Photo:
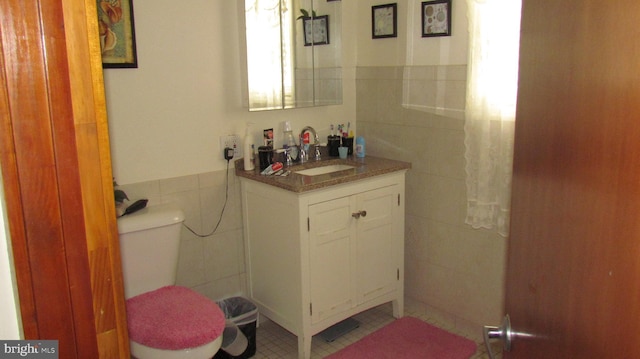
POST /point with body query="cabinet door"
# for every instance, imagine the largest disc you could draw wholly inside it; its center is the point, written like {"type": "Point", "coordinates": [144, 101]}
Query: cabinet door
{"type": "Point", "coordinates": [330, 255]}
{"type": "Point", "coordinates": [377, 243]}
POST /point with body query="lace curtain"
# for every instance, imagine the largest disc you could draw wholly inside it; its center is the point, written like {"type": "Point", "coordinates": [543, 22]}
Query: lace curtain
{"type": "Point", "coordinates": [492, 84]}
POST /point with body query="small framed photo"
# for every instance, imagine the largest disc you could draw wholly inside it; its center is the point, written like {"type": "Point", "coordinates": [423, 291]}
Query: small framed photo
{"type": "Point", "coordinates": [117, 34]}
{"type": "Point", "coordinates": [436, 18]}
{"type": "Point", "coordinates": [316, 30]}
{"type": "Point", "coordinates": [384, 21]}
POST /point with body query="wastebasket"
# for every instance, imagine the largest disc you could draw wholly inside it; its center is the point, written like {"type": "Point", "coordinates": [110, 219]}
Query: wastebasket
{"type": "Point", "coordinates": [242, 314]}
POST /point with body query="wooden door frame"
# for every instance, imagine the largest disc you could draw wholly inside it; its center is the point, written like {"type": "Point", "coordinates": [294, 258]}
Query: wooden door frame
{"type": "Point", "coordinates": [56, 166]}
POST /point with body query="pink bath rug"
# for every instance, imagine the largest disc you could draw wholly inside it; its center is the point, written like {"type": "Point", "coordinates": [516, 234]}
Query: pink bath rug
{"type": "Point", "coordinates": [408, 338]}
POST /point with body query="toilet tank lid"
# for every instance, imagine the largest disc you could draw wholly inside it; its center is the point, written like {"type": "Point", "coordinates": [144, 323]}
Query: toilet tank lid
{"type": "Point", "coordinates": [150, 217]}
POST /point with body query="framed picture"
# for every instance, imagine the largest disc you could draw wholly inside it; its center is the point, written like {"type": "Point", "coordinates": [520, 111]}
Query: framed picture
{"type": "Point", "coordinates": [384, 21]}
{"type": "Point", "coordinates": [117, 33]}
{"type": "Point", "coordinates": [316, 30]}
{"type": "Point", "coordinates": [436, 18]}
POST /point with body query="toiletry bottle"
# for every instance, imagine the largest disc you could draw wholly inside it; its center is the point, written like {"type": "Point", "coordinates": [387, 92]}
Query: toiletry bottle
{"type": "Point", "coordinates": [360, 146]}
{"type": "Point", "coordinates": [253, 155]}
{"type": "Point", "coordinates": [248, 150]}
{"type": "Point", "coordinates": [289, 142]}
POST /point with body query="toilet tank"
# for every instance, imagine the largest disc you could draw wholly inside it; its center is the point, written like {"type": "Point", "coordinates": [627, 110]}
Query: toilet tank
{"type": "Point", "coordinates": [149, 246]}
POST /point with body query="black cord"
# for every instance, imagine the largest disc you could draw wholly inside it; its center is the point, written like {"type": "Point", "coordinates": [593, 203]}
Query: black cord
{"type": "Point", "coordinates": [226, 198]}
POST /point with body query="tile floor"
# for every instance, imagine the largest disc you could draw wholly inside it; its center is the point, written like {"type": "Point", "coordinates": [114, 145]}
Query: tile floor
{"type": "Point", "coordinates": [273, 341]}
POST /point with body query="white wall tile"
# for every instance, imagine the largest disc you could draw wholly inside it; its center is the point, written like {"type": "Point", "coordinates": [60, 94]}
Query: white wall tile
{"type": "Point", "coordinates": [456, 271]}
{"type": "Point", "coordinates": [213, 264]}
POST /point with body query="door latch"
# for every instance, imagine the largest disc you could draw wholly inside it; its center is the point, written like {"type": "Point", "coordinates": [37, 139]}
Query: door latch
{"type": "Point", "coordinates": [502, 332]}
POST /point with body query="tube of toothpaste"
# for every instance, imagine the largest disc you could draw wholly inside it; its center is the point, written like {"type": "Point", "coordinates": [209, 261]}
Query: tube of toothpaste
{"type": "Point", "coordinates": [273, 168]}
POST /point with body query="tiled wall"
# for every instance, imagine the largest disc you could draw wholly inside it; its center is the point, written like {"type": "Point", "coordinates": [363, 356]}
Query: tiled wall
{"type": "Point", "coordinates": [416, 114]}
{"type": "Point", "coordinates": [212, 265]}
{"type": "Point", "coordinates": [322, 86]}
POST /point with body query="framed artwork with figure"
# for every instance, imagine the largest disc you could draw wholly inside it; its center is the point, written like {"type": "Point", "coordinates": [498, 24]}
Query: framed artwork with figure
{"type": "Point", "coordinates": [117, 33]}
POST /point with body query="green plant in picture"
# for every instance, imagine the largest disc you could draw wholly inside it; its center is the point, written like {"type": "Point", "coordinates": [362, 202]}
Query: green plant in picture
{"type": "Point", "coordinates": [315, 29]}
{"type": "Point", "coordinates": [305, 14]}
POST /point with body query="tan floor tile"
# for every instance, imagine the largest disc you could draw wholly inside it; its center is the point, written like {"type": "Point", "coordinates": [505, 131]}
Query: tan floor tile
{"type": "Point", "coordinates": [274, 342]}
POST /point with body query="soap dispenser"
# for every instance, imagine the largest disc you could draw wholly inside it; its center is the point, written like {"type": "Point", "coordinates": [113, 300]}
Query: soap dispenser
{"type": "Point", "coordinates": [289, 142]}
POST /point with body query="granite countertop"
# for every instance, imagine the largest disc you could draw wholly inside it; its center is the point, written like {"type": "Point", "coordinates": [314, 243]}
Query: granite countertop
{"type": "Point", "coordinates": [365, 167]}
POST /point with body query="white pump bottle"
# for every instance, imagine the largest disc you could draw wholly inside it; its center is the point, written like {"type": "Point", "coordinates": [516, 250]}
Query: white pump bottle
{"type": "Point", "coordinates": [248, 150]}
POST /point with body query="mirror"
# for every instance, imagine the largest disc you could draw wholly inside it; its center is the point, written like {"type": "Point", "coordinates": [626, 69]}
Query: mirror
{"type": "Point", "coordinates": [293, 53]}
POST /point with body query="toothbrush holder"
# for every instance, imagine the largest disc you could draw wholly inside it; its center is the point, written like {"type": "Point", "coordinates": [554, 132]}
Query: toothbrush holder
{"type": "Point", "coordinates": [348, 143]}
{"type": "Point", "coordinates": [333, 142]}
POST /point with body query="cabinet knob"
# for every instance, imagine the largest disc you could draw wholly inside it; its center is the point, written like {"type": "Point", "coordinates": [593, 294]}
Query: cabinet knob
{"type": "Point", "coordinates": [357, 215]}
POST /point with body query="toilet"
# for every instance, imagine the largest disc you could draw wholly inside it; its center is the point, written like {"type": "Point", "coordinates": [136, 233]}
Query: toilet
{"type": "Point", "coordinates": [165, 321]}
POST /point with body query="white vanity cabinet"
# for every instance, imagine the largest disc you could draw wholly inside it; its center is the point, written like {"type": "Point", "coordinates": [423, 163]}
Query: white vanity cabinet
{"type": "Point", "coordinates": [318, 257]}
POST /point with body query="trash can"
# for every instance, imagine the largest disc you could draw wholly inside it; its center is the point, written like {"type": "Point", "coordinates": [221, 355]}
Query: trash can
{"type": "Point", "coordinates": [242, 317]}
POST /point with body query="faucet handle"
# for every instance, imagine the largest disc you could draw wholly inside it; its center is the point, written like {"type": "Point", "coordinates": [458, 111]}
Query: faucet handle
{"type": "Point", "coordinates": [318, 155]}
{"type": "Point", "coordinates": [287, 156]}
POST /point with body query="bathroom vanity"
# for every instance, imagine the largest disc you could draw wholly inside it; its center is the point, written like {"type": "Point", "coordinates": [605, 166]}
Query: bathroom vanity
{"type": "Point", "coordinates": [325, 242]}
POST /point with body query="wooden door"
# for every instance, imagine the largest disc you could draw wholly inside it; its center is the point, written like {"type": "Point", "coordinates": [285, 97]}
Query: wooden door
{"type": "Point", "coordinates": [573, 277]}
{"type": "Point", "coordinates": [54, 155]}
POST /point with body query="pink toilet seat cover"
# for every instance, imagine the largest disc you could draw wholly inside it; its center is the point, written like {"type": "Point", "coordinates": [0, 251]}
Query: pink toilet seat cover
{"type": "Point", "coordinates": [174, 318]}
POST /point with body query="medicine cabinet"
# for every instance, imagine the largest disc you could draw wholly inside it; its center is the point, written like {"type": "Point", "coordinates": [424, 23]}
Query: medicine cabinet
{"type": "Point", "coordinates": [293, 53]}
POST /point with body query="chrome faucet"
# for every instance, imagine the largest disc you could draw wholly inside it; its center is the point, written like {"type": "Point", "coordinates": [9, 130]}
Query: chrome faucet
{"type": "Point", "coordinates": [304, 156]}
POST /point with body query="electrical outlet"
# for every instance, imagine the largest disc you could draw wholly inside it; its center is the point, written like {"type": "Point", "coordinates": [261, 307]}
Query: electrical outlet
{"type": "Point", "coordinates": [231, 141]}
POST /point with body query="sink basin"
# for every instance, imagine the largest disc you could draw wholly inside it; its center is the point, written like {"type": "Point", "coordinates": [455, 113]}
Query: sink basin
{"type": "Point", "coordinates": [324, 170]}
